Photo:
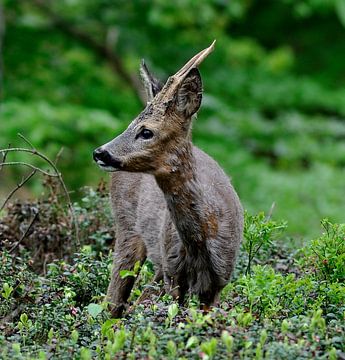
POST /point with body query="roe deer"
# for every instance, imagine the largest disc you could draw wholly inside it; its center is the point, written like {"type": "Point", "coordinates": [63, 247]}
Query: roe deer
{"type": "Point", "coordinates": [172, 203]}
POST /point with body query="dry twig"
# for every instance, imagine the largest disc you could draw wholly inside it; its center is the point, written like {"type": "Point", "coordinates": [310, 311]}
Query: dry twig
{"type": "Point", "coordinates": [24, 180]}
{"type": "Point", "coordinates": [56, 173]}
{"type": "Point", "coordinates": [35, 168]}
{"type": "Point", "coordinates": [57, 157]}
{"type": "Point", "coordinates": [4, 155]}
{"type": "Point", "coordinates": [25, 233]}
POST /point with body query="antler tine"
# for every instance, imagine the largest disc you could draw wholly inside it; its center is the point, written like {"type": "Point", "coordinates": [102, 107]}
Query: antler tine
{"type": "Point", "coordinates": [174, 81]}
{"type": "Point", "coordinates": [195, 60]}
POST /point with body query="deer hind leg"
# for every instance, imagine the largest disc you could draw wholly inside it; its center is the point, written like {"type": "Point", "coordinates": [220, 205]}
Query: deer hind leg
{"type": "Point", "coordinates": [127, 252]}
{"type": "Point", "coordinates": [175, 281]}
{"type": "Point", "coordinates": [207, 302]}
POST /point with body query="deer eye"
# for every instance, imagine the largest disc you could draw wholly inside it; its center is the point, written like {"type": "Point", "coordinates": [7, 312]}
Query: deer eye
{"type": "Point", "coordinates": [145, 134]}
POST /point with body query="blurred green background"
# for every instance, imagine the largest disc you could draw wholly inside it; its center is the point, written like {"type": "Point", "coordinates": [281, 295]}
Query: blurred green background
{"type": "Point", "coordinates": [273, 112]}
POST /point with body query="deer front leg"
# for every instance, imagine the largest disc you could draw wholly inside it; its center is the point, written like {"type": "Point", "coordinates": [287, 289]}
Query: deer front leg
{"type": "Point", "coordinates": [174, 275]}
{"type": "Point", "coordinates": [127, 252]}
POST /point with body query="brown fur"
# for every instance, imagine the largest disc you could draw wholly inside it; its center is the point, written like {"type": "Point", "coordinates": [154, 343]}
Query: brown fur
{"type": "Point", "coordinates": [172, 203]}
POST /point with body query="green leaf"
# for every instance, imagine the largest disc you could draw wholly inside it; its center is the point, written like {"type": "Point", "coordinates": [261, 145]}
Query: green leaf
{"type": "Point", "coordinates": [137, 266]}
{"type": "Point", "coordinates": [94, 309]}
{"type": "Point", "coordinates": [171, 348]}
{"type": "Point", "coordinates": [192, 342]}
{"type": "Point", "coordinates": [107, 325]}
{"type": "Point", "coordinates": [228, 341]}
{"type": "Point", "coordinates": [42, 355]}
{"type": "Point", "coordinates": [209, 347]}
{"type": "Point", "coordinates": [24, 318]}
{"type": "Point", "coordinates": [134, 272]}
{"type": "Point", "coordinates": [120, 339]}
{"type": "Point", "coordinates": [85, 354]}
{"type": "Point", "coordinates": [127, 273]}
{"type": "Point", "coordinates": [74, 336]}
{"type": "Point", "coordinates": [7, 291]}
{"type": "Point", "coordinates": [172, 311]}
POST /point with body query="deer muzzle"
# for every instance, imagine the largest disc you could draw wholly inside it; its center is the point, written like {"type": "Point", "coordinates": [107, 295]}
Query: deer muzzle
{"type": "Point", "coordinates": [105, 160]}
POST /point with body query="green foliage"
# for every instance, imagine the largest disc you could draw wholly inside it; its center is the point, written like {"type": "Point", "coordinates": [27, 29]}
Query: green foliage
{"type": "Point", "coordinates": [270, 294]}
{"type": "Point", "coordinates": [272, 116]}
{"type": "Point", "coordinates": [318, 323]}
{"type": "Point", "coordinates": [192, 342]}
{"type": "Point", "coordinates": [228, 341]}
{"type": "Point", "coordinates": [326, 254]}
{"type": "Point", "coordinates": [273, 110]}
{"type": "Point", "coordinates": [7, 291]}
{"type": "Point", "coordinates": [276, 312]}
{"type": "Point", "coordinates": [209, 348]}
{"type": "Point", "coordinates": [259, 231]}
{"type": "Point", "coordinates": [171, 349]}
{"type": "Point", "coordinates": [172, 312]}
{"type": "Point", "coordinates": [244, 319]}
{"type": "Point", "coordinates": [134, 272]}
{"type": "Point", "coordinates": [94, 309]}
{"type": "Point", "coordinates": [52, 127]}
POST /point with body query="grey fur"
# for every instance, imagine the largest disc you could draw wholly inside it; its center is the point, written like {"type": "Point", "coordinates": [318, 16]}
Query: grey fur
{"type": "Point", "coordinates": [172, 203]}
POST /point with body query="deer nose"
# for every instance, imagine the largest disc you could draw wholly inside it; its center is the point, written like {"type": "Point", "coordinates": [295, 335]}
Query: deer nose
{"type": "Point", "coordinates": [104, 158]}
{"type": "Point", "coordinates": [102, 155]}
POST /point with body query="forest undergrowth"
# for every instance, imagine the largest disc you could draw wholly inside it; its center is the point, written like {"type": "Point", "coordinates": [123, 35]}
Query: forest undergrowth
{"type": "Point", "coordinates": [282, 303]}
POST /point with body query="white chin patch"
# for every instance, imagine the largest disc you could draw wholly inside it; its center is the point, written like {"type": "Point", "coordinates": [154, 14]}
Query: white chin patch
{"type": "Point", "coordinates": [105, 167]}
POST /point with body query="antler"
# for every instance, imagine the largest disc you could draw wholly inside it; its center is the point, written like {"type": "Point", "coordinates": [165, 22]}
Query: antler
{"type": "Point", "coordinates": [195, 61]}
{"type": "Point", "coordinates": [175, 81]}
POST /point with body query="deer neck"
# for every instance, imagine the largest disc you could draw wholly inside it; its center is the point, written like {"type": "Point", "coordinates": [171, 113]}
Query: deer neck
{"type": "Point", "coordinates": [191, 214]}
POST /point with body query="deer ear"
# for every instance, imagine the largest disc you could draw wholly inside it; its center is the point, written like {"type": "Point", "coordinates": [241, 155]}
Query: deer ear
{"type": "Point", "coordinates": [189, 94]}
{"type": "Point", "coordinates": [151, 84]}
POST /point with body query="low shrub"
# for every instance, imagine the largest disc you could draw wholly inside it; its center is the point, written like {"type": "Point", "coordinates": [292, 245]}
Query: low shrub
{"type": "Point", "coordinates": [325, 256]}
{"type": "Point", "coordinates": [278, 310]}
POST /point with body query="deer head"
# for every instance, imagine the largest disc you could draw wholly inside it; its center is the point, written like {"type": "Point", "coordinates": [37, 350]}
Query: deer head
{"type": "Point", "coordinates": [163, 127]}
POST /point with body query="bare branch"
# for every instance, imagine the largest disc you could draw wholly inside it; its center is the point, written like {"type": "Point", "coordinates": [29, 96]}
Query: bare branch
{"type": "Point", "coordinates": [25, 233]}
{"type": "Point", "coordinates": [269, 215]}
{"type": "Point", "coordinates": [4, 155]}
{"type": "Point", "coordinates": [14, 163]}
{"type": "Point", "coordinates": [24, 180]}
{"type": "Point", "coordinates": [34, 152]}
{"type": "Point", "coordinates": [26, 140]}
{"type": "Point", "coordinates": [57, 157]}
{"type": "Point", "coordinates": [55, 174]}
